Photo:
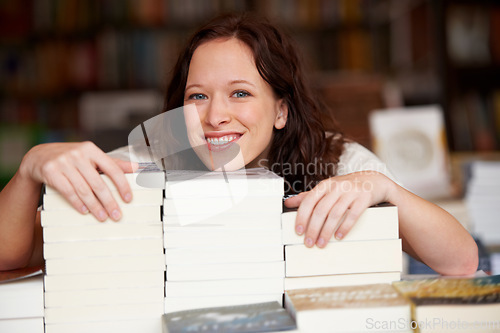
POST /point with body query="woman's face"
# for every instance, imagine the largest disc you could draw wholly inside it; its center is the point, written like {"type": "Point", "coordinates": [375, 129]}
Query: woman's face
{"type": "Point", "coordinates": [236, 107]}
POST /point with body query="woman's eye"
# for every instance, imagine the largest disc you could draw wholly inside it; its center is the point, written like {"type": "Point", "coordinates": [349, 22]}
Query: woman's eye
{"type": "Point", "coordinates": [240, 93]}
{"type": "Point", "coordinates": [197, 96]}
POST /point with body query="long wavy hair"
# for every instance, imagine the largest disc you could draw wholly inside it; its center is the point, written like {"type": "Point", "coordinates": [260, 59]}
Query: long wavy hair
{"type": "Point", "coordinates": [301, 152]}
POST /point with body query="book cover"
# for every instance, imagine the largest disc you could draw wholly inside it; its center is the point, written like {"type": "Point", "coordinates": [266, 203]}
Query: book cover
{"type": "Point", "coordinates": [261, 317]}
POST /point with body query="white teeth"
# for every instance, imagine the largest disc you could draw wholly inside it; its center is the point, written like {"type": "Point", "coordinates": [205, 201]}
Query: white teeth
{"type": "Point", "coordinates": [222, 140]}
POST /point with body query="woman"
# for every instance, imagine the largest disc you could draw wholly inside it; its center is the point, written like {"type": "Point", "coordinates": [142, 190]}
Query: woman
{"type": "Point", "coordinates": [246, 82]}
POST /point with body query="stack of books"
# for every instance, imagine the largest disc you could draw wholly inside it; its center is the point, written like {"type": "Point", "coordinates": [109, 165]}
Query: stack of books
{"type": "Point", "coordinates": [370, 253]}
{"type": "Point", "coordinates": [482, 198]}
{"type": "Point", "coordinates": [105, 276]}
{"type": "Point", "coordinates": [222, 238]}
{"type": "Point", "coordinates": [21, 300]}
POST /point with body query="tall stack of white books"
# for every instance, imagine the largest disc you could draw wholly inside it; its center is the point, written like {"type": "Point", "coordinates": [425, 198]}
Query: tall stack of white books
{"type": "Point", "coordinates": [21, 301]}
{"type": "Point", "coordinates": [105, 276]}
{"type": "Point", "coordinates": [370, 253]}
{"type": "Point", "coordinates": [222, 238]}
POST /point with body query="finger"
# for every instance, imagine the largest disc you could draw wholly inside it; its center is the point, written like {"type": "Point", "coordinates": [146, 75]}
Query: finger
{"type": "Point", "coordinates": [306, 207]}
{"type": "Point", "coordinates": [115, 172]}
{"type": "Point", "coordinates": [64, 187]}
{"type": "Point", "coordinates": [85, 190]}
{"type": "Point", "coordinates": [126, 166]}
{"type": "Point", "coordinates": [294, 202]}
{"type": "Point", "coordinates": [335, 217]}
{"type": "Point", "coordinates": [319, 217]}
{"type": "Point", "coordinates": [101, 192]}
{"type": "Point", "coordinates": [352, 216]}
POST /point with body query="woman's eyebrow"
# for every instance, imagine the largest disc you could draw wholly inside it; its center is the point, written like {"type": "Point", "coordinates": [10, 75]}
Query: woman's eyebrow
{"type": "Point", "coordinates": [194, 85]}
{"type": "Point", "coordinates": [242, 81]}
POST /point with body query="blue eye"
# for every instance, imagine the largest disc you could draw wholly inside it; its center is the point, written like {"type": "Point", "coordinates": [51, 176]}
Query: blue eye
{"type": "Point", "coordinates": [197, 96]}
{"type": "Point", "coordinates": [240, 94]}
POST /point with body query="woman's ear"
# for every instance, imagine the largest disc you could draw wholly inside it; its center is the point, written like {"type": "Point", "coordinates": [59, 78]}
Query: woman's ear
{"type": "Point", "coordinates": [282, 115]}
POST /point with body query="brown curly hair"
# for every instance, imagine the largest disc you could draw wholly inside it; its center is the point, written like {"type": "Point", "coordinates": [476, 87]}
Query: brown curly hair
{"type": "Point", "coordinates": [303, 141]}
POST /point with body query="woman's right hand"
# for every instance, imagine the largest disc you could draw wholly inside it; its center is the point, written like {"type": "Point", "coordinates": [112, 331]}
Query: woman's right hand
{"type": "Point", "coordinates": [73, 170]}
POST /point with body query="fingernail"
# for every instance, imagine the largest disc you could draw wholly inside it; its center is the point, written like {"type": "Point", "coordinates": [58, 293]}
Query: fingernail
{"type": "Point", "coordinates": [102, 215]}
{"type": "Point", "coordinates": [128, 197]}
{"type": "Point", "coordinates": [309, 242]}
{"type": "Point", "coordinates": [320, 242]}
{"type": "Point", "coordinates": [299, 229]}
{"type": "Point", "coordinates": [339, 236]}
{"type": "Point", "coordinates": [116, 215]}
{"type": "Point", "coordinates": [84, 209]}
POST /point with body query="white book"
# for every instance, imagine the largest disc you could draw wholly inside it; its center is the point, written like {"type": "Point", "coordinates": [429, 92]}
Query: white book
{"type": "Point", "coordinates": [248, 270]}
{"type": "Point", "coordinates": [75, 298]}
{"type": "Point", "coordinates": [240, 183]}
{"type": "Point", "coordinates": [103, 231]}
{"type": "Point", "coordinates": [224, 254]}
{"type": "Point", "coordinates": [303, 282]}
{"type": "Point", "coordinates": [105, 264]}
{"type": "Point", "coordinates": [119, 280]}
{"type": "Point", "coordinates": [223, 287]}
{"type": "Point", "coordinates": [374, 224]}
{"type": "Point", "coordinates": [136, 180]}
{"type": "Point", "coordinates": [256, 220]}
{"type": "Point", "coordinates": [174, 304]}
{"type": "Point", "coordinates": [363, 308]}
{"type": "Point", "coordinates": [153, 197]}
{"type": "Point", "coordinates": [22, 298]}
{"type": "Point", "coordinates": [151, 325]}
{"type": "Point", "coordinates": [344, 258]}
{"type": "Point", "coordinates": [104, 313]}
{"type": "Point", "coordinates": [22, 325]}
{"type": "Point", "coordinates": [217, 238]}
{"type": "Point", "coordinates": [211, 206]}
{"type": "Point", "coordinates": [130, 215]}
{"type": "Point", "coordinates": [103, 248]}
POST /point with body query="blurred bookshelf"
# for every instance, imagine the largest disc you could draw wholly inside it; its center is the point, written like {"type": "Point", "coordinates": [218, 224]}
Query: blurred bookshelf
{"type": "Point", "coordinates": [54, 52]}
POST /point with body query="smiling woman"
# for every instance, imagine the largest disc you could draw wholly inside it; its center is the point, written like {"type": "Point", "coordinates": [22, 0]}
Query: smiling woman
{"type": "Point", "coordinates": [241, 84]}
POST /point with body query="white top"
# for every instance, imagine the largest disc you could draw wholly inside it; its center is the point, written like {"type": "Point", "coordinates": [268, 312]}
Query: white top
{"type": "Point", "coordinates": [354, 158]}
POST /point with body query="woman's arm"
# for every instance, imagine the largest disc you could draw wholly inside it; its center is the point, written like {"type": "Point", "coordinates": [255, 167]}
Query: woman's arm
{"type": "Point", "coordinates": [428, 232]}
{"type": "Point", "coordinates": [70, 168]}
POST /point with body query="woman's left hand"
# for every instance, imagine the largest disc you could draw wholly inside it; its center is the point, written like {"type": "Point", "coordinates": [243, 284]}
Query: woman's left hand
{"type": "Point", "coordinates": [336, 203]}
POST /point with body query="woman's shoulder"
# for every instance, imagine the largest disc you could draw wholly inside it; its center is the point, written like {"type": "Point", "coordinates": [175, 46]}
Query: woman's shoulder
{"type": "Point", "coordinates": [356, 157]}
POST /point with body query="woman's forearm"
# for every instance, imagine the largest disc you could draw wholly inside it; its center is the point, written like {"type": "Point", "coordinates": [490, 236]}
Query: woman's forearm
{"type": "Point", "coordinates": [433, 235]}
{"type": "Point", "coordinates": [18, 211]}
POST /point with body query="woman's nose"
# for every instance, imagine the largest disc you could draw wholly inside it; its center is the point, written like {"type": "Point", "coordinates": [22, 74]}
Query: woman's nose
{"type": "Point", "coordinates": [217, 113]}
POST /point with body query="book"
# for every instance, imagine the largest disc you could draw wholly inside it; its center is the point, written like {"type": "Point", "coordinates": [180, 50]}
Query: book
{"type": "Point", "coordinates": [150, 197]}
{"type": "Point", "coordinates": [224, 287]}
{"type": "Point", "coordinates": [250, 220]}
{"type": "Point", "coordinates": [118, 247]}
{"type": "Point", "coordinates": [148, 325]}
{"type": "Point", "coordinates": [207, 238]}
{"type": "Point", "coordinates": [344, 258]}
{"type": "Point", "coordinates": [101, 232]}
{"type": "Point", "coordinates": [260, 317]}
{"type": "Point", "coordinates": [376, 223]}
{"type": "Point", "coordinates": [174, 304]}
{"type": "Point", "coordinates": [113, 280]}
{"type": "Point", "coordinates": [235, 184]}
{"type": "Point", "coordinates": [224, 254]}
{"type": "Point", "coordinates": [90, 297]}
{"type": "Point", "coordinates": [236, 270]}
{"type": "Point", "coordinates": [449, 304]}
{"type": "Point", "coordinates": [210, 206]}
{"type": "Point", "coordinates": [130, 215]}
{"type": "Point", "coordinates": [363, 308]}
{"type": "Point", "coordinates": [105, 264]}
{"type": "Point", "coordinates": [335, 280]}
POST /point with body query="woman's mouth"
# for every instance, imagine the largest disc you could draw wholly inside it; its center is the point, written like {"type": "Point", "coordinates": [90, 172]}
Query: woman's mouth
{"type": "Point", "coordinates": [219, 143]}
